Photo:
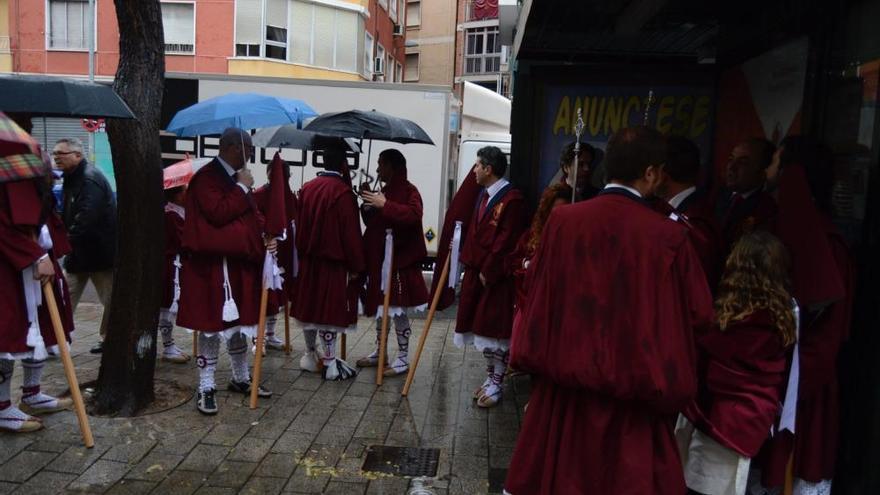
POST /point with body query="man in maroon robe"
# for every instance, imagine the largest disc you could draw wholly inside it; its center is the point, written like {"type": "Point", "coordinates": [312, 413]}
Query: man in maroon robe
{"type": "Point", "coordinates": [174, 215]}
{"type": "Point", "coordinates": [587, 158]}
{"type": "Point", "coordinates": [222, 265]}
{"type": "Point", "coordinates": [397, 207]}
{"type": "Point", "coordinates": [679, 198]}
{"type": "Point", "coordinates": [31, 241]}
{"type": "Point", "coordinates": [744, 205]}
{"type": "Point", "coordinates": [278, 298]}
{"type": "Point", "coordinates": [331, 260]}
{"type": "Point", "coordinates": [616, 294]}
{"type": "Point", "coordinates": [488, 291]}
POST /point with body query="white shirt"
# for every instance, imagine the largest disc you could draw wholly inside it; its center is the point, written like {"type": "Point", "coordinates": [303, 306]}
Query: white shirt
{"type": "Point", "coordinates": [231, 171]}
{"type": "Point", "coordinates": [681, 196]}
{"type": "Point", "coordinates": [621, 186]}
{"type": "Point", "coordinates": [494, 188]}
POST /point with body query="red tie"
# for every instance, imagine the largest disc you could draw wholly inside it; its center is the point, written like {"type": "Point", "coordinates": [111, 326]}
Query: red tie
{"type": "Point", "coordinates": [483, 203]}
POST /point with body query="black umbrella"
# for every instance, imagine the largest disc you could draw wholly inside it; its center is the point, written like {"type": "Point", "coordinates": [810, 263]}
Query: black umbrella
{"type": "Point", "coordinates": [288, 136]}
{"type": "Point", "coordinates": [60, 97]}
{"type": "Point", "coordinates": [369, 125]}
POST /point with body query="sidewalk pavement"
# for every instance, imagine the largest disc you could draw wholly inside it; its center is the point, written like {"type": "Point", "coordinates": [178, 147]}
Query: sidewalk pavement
{"type": "Point", "coordinates": [310, 437]}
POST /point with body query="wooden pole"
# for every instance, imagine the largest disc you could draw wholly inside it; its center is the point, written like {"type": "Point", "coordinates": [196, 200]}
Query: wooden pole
{"type": "Point", "coordinates": [287, 328]}
{"type": "Point", "coordinates": [788, 487]}
{"type": "Point", "coordinates": [383, 336]}
{"type": "Point", "coordinates": [444, 275]}
{"type": "Point", "coordinates": [78, 404]}
{"type": "Point", "coordinates": [261, 339]}
{"type": "Point", "coordinates": [344, 345]}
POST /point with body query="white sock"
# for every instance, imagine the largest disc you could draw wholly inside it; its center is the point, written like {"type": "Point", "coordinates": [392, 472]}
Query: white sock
{"type": "Point", "coordinates": [490, 366]}
{"type": "Point", "coordinates": [271, 321]}
{"type": "Point", "coordinates": [209, 350]}
{"type": "Point", "coordinates": [11, 417]}
{"type": "Point", "coordinates": [237, 349]}
{"type": "Point", "coordinates": [501, 358]}
{"type": "Point", "coordinates": [328, 341]}
{"type": "Point", "coordinates": [7, 367]}
{"type": "Point", "coordinates": [166, 326]}
{"type": "Point", "coordinates": [33, 373]}
{"type": "Point", "coordinates": [402, 340]}
{"type": "Point", "coordinates": [310, 335]}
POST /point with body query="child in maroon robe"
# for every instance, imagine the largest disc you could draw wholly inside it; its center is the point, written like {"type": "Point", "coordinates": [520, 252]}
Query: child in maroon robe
{"type": "Point", "coordinates": [174, 215]}
{"type": "Point", "coordinates": [616, 293]}
{"type": "Point", "coordinates": [399, 208]}
{"type": "Point", "coordinates": [485, 311]}
{"type": "Point", "coordinates": [32, 239]}
{"type": "Point", "coordinates": [742, 369]}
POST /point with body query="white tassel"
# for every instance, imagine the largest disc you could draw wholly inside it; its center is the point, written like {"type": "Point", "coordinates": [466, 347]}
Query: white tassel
{"type": "Point", "coordinates": [454, 267]}
{"type": "Point", "coordinates": [272, 273]}
{"type": "Point", "coordinates": [33, 298]}
{"type": "Point", "coordinates": [230, 310]}
{"type": "Point", "coordinates": [386, 261]}
{"type": "Point", "coordinates": [789, 407]}
{"type": "Point", "coordinates": [177, 266]}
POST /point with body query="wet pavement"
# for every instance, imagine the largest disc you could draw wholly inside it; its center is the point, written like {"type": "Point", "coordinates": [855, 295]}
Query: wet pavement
{"type": "Point", "coordinates": [312, 436]}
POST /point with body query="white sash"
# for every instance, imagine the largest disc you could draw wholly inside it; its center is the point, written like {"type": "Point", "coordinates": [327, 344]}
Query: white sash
{"type": "Point", "coordinates": [454, 267]}
{"type": "Point", "coordinates": [386, 261]}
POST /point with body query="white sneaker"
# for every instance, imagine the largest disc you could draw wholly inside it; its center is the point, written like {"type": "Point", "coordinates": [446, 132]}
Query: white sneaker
{"type": "Point", "coordinates": [14, 420]}
{"type": "Point", "coordinates": [173, 354]}
{"type": "Point", "coordinates": [370, 361]}
{"type": "Point", "coordinates": [338, 370]}
{"type": "Point", "coordinates": [400, 366]}
{"type": "Point", "coordinates": [273, 342]}
{"type": "Point", "coordinates": [41, 403]}
{"type": "Point", "coordinates": [309, 362]}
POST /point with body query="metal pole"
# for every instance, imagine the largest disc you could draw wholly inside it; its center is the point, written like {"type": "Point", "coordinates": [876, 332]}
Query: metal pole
{"type": "Point", "coordinates": [578, 130]}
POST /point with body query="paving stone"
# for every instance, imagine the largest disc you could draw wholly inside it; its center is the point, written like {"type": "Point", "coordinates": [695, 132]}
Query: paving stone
{"type": "Point", "coordinates": [13, 444]}
{"type": "Point", "coordinates": [372, 429]}
{"type": "Point", "coordinates": [215, 490]}
{"type": "Point", "coordinates": [181, 483]}
{"type": "Point", "coordinates": [225, 434]}
{"type": "Point", "coordinates": [132, 487]}
{"type": "Point", "coordinates": [353, 402]}
{"type": "Point", "coordinates": [100, 476]}
{"type": "Point", "coordinates": [345, 417]}
{"type": "Point", "coordinates": [388, 486]}
{"type": "Point", "coordinates": [204, 458]}
{"type": "Point", "coordinates": [181, 444]}
{"type": "Point", "coordinates": [231, 474]}
{"type": "Point", "coordinates": [130, 452]}
{"type": "Point", "coordinates": [308, 382]}
{"type": "Point", "coordinates": [358, 389]}
{"type": "Point", "coordinates": [468, 487]}
{"type": "Point", "coordinates": [155, 466]}
{"type": "Point", "coordinates": [277, 466]}
{"type": "Point", "coordinates": [308, 423]}
{"type": "Point", "coordinates": [47, 445]}
{"type": "Point", "coordinates": [471, 446]}
{"type": "Point", "coordinates": [251, 449]}
{"type": "Point", "coordinates": [470, 467]}
{"type": "Point", "coordinates": [499, 457]}
{"type": "Point", "coordinates": [263, 486]}
{"type": "Point", "coordinates": [303, 482]}
{"type": "Point", "coordinates": [292, 442]}
{"type": "Point", "coordinates": [24, 465]}
{"type": "Point", "coordinates": [76, 459]}
{"type": "Point", "coordinates": [324, 455]}
{"type": "Point", "coordinates": [7, 487]}
{"type": "Point", "coordinates": [269, 428]}
{"type": "Point", "coordinates": [335, 435]}
{"type": "Point", "coordinates": [348, 470]}
{"type": "Point", "coordinates": [46, 482]}
{"type": "Point", "coordinates": [339, 488]}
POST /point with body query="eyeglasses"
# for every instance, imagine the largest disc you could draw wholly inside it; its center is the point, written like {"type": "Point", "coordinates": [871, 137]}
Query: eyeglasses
{"type": "Point", "coordinates": [58, 153]}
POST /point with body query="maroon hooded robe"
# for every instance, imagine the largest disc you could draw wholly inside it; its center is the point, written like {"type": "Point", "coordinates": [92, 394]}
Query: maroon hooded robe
{"type": "Point", "coordinates": [487, 311]}
{"type": "Point", "coordinates": [173, 236]}
{"type": "Point", "coordinates": [616, 294]}
{"type": "Point", "coordinates": [222, 220]}
{"type": "Point", "coordinates": [330, 247]}
{"type": "Point", "coordinates": [277, 298]}
{"type": "Point", "coordinates": [403, 214]}
{"type": "Point", "coordinates": [20, 208]}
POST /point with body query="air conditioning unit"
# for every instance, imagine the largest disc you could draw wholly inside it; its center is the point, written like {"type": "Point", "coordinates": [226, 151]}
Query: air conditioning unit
{"type": "Point", "coordinates": [398, 30]}
{"type": "Point", "coordinates": [379, 66]}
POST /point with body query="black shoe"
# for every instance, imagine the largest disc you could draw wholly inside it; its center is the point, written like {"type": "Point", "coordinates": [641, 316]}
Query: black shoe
{"type": "Point", "coordinates": [245, 388]}
{"type": "Point", "coordinates": [98, 348]}
{"type": "Point", "coordinates": [207, 403]}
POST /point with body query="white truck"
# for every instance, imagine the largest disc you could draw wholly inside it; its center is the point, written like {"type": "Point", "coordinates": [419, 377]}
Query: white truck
{"type": "Point", "coordinates": [433, 169]}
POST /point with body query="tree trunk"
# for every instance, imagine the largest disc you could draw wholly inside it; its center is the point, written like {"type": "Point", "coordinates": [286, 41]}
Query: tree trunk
{"type": "Point", "coordinates": [125, 381]}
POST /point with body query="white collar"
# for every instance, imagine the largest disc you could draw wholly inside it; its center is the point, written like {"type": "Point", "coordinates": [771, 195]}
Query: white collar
{"type": "Point", "coordinates": [169, 206]}
{"type": "Point", "coordinates": [229, 170]}
{"type": "Point", "coordinates": [676, 200]}
{"type": "Point", "coordinates": [332, 172]}
{"type": "Point", "coordinates": [492, 190]}
{"type": "Point", "coordinates": [621, 186]}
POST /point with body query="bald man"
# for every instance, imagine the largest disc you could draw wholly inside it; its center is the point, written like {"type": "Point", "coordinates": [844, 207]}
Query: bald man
{"type": "Point", "coordinates": [220, 280]}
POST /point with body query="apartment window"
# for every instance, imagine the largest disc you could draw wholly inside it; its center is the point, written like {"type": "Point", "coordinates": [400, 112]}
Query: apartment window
{"type": "Point", "coordinates": [393, 10]}
{"type": "Point", "coordinates": [398, 72]}
{"type": "Point", "coordinates": [276, 29]}
{"type": "Point", "coordinates": [412, 67]}
{"type": "Point", "coordinates": [324, 36]}
{"type": "Point", "coordinates": [413, 13]}
{"type": "Point", "coordinates": [68, 24]}
{"type": "Point", "coordinates": [248, 33]}
{"type": "Point", "coordinates": [389, 68]}
{"type": "Point", "coordinates": [482, 50]}
{"type": "Point", "coordinates": [380, 62]}
{"type": "Point", "coordinates": [178, 23]}
{"type": "Point", "coordinates": [368, 54]}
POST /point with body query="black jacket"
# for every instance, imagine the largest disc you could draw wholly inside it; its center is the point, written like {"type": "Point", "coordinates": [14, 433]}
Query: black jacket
{"type": "Point", "coordinates": [90, 218]}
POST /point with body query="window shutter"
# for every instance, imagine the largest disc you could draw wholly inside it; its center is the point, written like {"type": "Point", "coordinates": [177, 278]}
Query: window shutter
{"type": "Point", "coordinates": [177, 21]}
{"type": "Point", "coordinates": [248, 21]}
{"type": "Point", "coordinates": [346, 41]}
{"type": "Point", "coordinates": [300, 33]}
{"type": "Point", "coordinates": [276, 13]}
{"type": "Point", "coordinates": [325, 32]}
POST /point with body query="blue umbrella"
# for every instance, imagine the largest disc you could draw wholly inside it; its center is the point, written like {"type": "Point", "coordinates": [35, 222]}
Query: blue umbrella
{"type": "Point", "coordinates": [242, 110]}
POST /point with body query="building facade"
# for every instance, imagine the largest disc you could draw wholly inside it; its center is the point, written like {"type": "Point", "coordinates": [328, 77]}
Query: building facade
{"type": "Point", "coordinates": [351, 40]}
{"type": "Point", "coordinates": [430, 39]}
{"type": "Point", "coordinates": [479, 55]}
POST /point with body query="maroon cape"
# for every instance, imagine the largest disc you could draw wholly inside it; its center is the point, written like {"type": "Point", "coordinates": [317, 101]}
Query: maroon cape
{"type": "Point", "coordinates": [516, 266]}
{"type": "Point", "coordinates": [330, 247]}
{"type": "Point", "coordinates": [487, 310]}
{"type": "Point", "coordinates": [173, 235]}
{"type": "Point", "coordinates": [702, 233]}
{"type": "Point", "coordinates": [285, 247]}
{"type": "Point", "coordinates": [221, 220]}
{"type": "Point", "coordinates": [742, 372]}
{"type": "Point", "coordinates": [19, 221]}
{"type": "Point", "coordinates": [460, 210]}
{"type": "Point", "coordinates": [616, 294]}
{"type": "Point", "coordinates": [403, 214]}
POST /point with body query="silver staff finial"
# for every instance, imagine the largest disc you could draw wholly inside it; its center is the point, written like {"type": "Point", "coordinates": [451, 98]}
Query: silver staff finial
{"type": "Point", "coordinates": [648, 105]}
{"type": "Point", "coordinates": [578, 131]}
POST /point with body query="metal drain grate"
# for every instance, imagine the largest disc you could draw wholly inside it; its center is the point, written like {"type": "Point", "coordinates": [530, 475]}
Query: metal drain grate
{"type": "Point", "coordinates": [496, 480]}
{"type": "Point", "coordinates": [402, 461]}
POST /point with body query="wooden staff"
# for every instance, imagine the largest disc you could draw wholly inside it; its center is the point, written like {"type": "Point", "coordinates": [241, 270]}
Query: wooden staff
{"type": "Point", "coordinates": [343, 344]}
{"type": "Point", "coordinates": [383, 336]}
{"type": "Point", "coordinates": [287, 328]}
{"type": "Point", "coordinates": [444, 275]}
{"type": "Point", "coordinates": [788, 487]}
{"type": "Point", "coordinates": [78, 404]}
{"type": "Point", "coordinates": [261, 338]}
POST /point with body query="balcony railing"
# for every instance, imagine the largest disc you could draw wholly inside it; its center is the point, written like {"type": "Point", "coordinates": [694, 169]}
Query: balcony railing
{"type": "Point", "coordinates": [480, 10]}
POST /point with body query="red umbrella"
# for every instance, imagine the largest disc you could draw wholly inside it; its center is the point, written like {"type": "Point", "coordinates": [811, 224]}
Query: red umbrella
{"type": "Point", "coordinates": [20, 155]}
{"type": "Point", "coordinates": [180, 173]}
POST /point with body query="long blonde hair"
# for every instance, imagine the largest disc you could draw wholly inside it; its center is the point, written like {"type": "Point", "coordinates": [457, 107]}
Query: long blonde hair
{"type": "Point", "coordinates": [755, 278]}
